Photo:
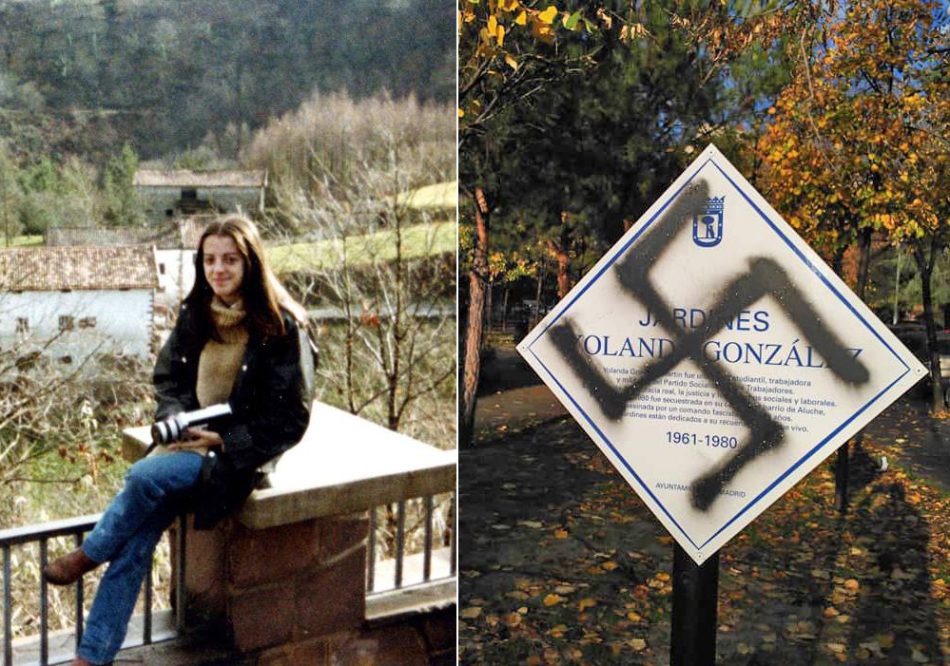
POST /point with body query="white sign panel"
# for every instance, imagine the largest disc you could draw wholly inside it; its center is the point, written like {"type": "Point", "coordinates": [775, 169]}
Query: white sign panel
{"type": "Point", "coordinates": [714, 358]}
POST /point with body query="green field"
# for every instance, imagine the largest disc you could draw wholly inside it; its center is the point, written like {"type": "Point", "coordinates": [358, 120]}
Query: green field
{"type": "Point", "coordinates": [23, 241]}
{"type": "Point", "coordinates": [419, 241]}
{"type": "Point", "coordinates": [440, 196]}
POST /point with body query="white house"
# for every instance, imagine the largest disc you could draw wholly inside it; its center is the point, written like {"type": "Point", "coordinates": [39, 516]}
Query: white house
{"type": "Point", "coordinates": [72, 302]}
{"type": "Point", "coordinates": [167, 195]}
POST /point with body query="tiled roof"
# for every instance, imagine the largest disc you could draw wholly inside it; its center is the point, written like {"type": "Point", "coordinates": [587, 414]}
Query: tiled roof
{"type": "Point", "coordinates": [183, 178]}
{"type": "Point", "coordinates": [78, 268]}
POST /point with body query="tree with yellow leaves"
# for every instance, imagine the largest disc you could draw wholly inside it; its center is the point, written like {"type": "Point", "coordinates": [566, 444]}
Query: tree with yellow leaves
{"type": "Point", "coordinates": [509, 49]}
{"type": "Point", "coordinates": [856, 146]}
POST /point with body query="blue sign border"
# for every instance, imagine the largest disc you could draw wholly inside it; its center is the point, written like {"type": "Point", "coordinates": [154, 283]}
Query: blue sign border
{"type": "Point", "coordinates": [814, 269]}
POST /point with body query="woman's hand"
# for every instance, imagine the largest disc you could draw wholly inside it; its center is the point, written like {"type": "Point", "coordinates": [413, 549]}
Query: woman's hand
{"type": "Point", "coordinates": [198, 439]}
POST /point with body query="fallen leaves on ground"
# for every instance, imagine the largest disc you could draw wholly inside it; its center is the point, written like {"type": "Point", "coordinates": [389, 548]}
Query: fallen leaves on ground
{"type": "Point", "coordinates": [584, 576]}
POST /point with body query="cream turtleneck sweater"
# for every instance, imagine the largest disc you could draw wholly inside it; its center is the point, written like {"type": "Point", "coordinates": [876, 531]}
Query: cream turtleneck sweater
{"type": "Point", "coordinates": [219, 362]}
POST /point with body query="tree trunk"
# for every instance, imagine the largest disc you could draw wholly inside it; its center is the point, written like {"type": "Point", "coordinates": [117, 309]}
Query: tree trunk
{"type": "Point", "coordinates": [537, 299]}
{"type": "Point", "coordinates": [394, 413]}
{"type": "Point", "coordinates": [842, 471]}
{"type": "Point", "coordinates": [837, 260]}
{"type": "Point", "coordinates": [489, 307]}
{"type": "Point", "coordinates": [471, 361]}
{"type": "Point", "coordinates": [925, 266]}
{"type": "Point", "coordinates": [864, 262]}
{"type": "Point", "coordinates": [504, 311]}
{"type": "Point", "coordinates": [563, 276]}
{"type": "Point", "coordinates": [559, 253]}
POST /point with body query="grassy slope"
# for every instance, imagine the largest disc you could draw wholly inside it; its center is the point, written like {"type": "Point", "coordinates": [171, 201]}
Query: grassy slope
{"type": "Point", "coordinates": [440, 196]}
{"type": "Point", "coordinates": [419, 241]}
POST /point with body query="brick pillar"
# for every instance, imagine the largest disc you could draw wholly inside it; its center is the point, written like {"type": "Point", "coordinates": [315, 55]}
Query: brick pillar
{"type": "Point", "coordinates": [277, 586]}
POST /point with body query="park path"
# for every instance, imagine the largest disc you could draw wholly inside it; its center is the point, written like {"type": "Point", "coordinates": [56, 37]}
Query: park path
{"type": "Point", "coordinates": [511, 398]}
{"type": "Point", "coordinates": [923, 441]}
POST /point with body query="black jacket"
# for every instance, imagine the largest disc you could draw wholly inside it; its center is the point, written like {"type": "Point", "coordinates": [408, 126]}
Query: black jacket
{"type": "Point", "coordinates": [270, 400]}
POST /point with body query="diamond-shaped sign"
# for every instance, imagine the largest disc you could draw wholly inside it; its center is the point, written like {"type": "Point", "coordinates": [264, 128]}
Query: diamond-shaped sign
{"type": "Point", "coordinates": [714, 358]}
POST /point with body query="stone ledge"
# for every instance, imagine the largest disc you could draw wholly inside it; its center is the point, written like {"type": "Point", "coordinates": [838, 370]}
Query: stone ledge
{"type": "Point", "coordinates": [397, 604]}
{"type": "Point", "coordinates": [343, 464]}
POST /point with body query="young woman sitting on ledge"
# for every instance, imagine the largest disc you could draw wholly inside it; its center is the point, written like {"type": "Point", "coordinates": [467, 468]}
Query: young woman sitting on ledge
{"type": "Point", "coordinates": [240, 338]}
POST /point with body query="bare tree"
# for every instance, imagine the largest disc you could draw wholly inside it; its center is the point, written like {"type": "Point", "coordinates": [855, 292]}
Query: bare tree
{"type": "Point", "coordinates": [375, 270]}
{"type": "Point", "coordinates": [382, 291]}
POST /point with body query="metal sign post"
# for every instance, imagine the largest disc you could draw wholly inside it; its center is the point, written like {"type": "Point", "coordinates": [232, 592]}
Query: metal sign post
{"type": "Point", "coordinates": [695, 596]}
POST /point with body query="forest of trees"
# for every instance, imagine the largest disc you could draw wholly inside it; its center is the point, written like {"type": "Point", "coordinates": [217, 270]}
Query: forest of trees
{"type": "Point", "coordinates": [86, 76]}
{"type": "Point", "coordinates": [90, 89]}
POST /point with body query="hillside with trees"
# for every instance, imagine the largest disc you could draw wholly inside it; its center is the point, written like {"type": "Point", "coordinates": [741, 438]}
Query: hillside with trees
{"type": "Point", "coordinates": [86, 76]}
{"type": "Point", "coordinates": [91, 89]}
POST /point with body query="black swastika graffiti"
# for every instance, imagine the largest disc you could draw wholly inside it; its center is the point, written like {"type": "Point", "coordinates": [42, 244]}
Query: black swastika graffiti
{"type": "Point", "coordinates": [764, 278]}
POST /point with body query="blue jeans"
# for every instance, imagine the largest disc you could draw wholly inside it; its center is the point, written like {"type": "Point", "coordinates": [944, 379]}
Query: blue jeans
{"type": "Point", "coordinates": [126, 536]}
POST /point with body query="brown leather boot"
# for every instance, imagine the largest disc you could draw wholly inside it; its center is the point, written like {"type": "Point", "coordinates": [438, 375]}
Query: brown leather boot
{"type": "Point", "coordinates": [67, 569]}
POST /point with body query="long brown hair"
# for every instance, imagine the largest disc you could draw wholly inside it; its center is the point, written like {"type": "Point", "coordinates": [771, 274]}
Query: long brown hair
{"type": "Point", "coordinates": [263, 294]}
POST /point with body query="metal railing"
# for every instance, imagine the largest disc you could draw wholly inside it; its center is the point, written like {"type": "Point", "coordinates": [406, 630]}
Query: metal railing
{"type": "Point", "coordinates": [424, 553]}
{"type": "Point", "coordinates": [41, 534]}
{"type": "Point", "coordinates": [422, 510]}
